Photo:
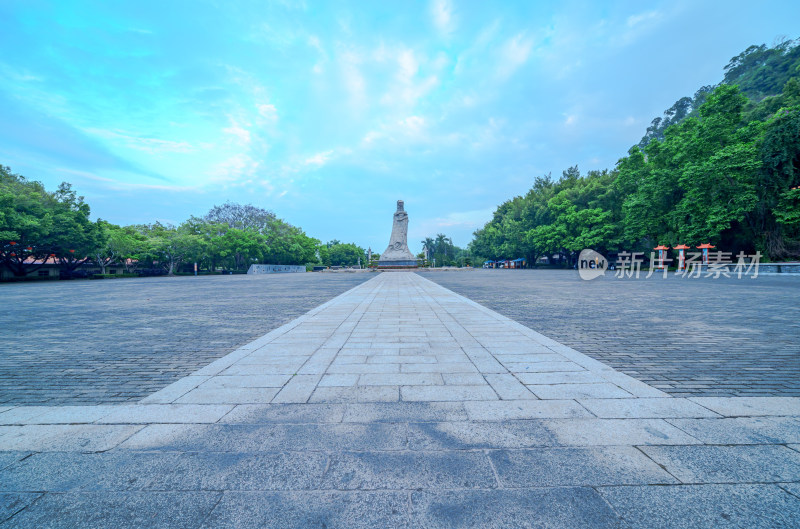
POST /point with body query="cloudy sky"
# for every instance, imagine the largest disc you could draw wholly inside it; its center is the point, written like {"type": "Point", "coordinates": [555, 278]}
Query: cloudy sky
{"type": "Point", "coordinates": [327, 112]}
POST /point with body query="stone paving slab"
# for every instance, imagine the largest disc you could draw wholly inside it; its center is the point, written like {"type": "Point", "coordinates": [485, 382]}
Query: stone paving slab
{"type": "Point", "coordinates": [473, 421]}
{"type": "Point", "coordinates": [704, 506]}
{"type": "Point", "coordinates": [365, 319]}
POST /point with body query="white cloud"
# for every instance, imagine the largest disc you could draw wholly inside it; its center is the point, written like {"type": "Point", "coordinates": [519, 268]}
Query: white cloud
{"type": "Point", "coordinates": [314, 42]}
{"type": "Point", "coordinates": [352, 78]}
{"type": "Point", "coordinates": [236, 130]}
{"type": "Point", "coordinates": [412, 124]}
{"type": "Point", "coordinates": [140, 143]}
{"type": "Point", "coordinates": [649, 16]}
{"type": "Point", "coordinates": [408, 88]}
{"type": "Point", "coordinates": [515, 53]}
{"type": "Point", "coordinates": [571, 119]}
{"type": "Point", "coordinates": [319, 159]}
{"type": "Point", "coordinates": [408, 65]}
{"type": "Point", "coordinates": [442, 14]}
{"type": "Point", "coordinates": [268, 111]}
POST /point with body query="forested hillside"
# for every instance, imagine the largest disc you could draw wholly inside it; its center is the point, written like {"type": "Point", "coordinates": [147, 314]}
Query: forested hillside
{"type": "Point", "coordinates": [722, 167]}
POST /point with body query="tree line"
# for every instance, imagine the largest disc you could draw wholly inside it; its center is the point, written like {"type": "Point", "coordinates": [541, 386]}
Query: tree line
{"type": "Point", "coordinates": [39, 226]}
{"type": "Point", "coordinates": [442, 251]}
{"type": "Point", "coordinates": [721, 168]}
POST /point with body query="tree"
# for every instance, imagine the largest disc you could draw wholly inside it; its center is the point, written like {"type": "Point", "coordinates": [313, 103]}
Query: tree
{"type": "Point", "coordinates": [25, 223]}
{"type": "Point", "coordinates": [171, 246]}
{"type": "Point", "coordinates": [341, 254]}
{"type": "Point", "coordinates": [242, 217]}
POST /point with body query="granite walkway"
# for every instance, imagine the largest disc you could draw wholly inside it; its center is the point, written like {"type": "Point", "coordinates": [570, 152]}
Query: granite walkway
{"type": "Point", "coordinates": [401, 404]}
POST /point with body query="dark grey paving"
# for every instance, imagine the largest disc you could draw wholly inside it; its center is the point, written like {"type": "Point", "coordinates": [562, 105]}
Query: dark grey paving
{"type": "Point", "coordinates": [165, 471]}
{"type": "Point", "coordinates": [728, 464]}
{"type": "Point", "coordinates": [742, 430]}
{"type": "Point", "coordinates": [558, 467]}
{"type": "Point", "coordinates": [474, 435]}
{"type": "Point", "coordinates": [109, 341]}
{"type": "Point", "coordinates": [9, 458]}
{"type": "Point", "coordinates": [559, 508]}
{"type": "Point", "coordinates": [405, 411]}
{"type": "Point", "coordinates": [319, 510]}
{"type": "Point", "coordinates": [13, 502]}
{"type": "Point", "coordinates": [285, 413]}
{"type": "Point", "coordinates": [117, 510]}
{"type": "Point", "coordinates": [409, 470]}
{"type": "Point", "coordinates": [732, 337]}
{"type": "Point", "coordinates": [274, 437]}
{"type": "Point", "coordinates": [705, 507]}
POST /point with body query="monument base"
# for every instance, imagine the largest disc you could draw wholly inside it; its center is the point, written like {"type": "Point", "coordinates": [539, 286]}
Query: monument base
{"type": "Point", "coordinates": [394, 265]}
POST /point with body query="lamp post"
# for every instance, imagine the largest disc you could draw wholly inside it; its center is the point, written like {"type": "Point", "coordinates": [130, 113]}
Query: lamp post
{"type": "Point", "coordinates": [705, 248]}
{"type": "Point", "coordinates": [681, 256]}
{"type": "Point", "coordinates": [661, 248]}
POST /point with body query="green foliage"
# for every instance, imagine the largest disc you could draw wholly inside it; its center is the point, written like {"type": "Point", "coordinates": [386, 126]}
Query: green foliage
{"type": "Point", "coordinates": [336, 253]}
{"type": "Point", "coordinates": [36, 225]}
{"type": "Point", "coordinates": [442, 249]}
{"type": "Point", "coordinates": [722, 167]}
{"type": "Point", "coordinates": [761, 73]}
{"type": "Point", "coordinates": [43, 224]}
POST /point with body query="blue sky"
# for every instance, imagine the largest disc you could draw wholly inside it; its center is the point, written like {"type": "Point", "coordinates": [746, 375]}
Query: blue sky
{"type": "Point", "coordinates": [328, 112]}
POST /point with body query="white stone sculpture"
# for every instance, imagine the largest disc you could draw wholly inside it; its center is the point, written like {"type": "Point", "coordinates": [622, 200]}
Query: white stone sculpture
{"type": "Point", "coordinates": [397, 253]}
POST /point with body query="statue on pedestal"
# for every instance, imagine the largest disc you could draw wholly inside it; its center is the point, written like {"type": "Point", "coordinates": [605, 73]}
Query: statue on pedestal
{"type": "Point", "coordinates": [397, 253]}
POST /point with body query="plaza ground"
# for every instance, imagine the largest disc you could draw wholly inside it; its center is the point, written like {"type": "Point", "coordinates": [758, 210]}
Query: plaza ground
{"type": "Point", "coordinates": [399, 403]}
{"type": "Point", "coordinates": [702, 337]}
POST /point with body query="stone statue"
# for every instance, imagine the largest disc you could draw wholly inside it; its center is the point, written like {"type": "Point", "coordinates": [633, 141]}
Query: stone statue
{"type": "Point", "coordinates": [397, 253]}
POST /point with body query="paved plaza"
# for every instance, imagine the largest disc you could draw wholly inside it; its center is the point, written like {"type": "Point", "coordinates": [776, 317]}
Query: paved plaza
{"type": "Point", "coordinates": [113, 341]}
{"type": "Point", "coordinates": [687, 337]}
{"type": "Point", "coordinates": [400, 403]}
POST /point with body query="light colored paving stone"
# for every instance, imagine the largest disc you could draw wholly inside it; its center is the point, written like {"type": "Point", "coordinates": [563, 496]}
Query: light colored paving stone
{"type": "Point", "coordinates": [655, 408]}
{"type": "Point", "coordinates": [508, 387]}
{"type": "Point", "coordinates": [166, 413]}
{"type": "Point", "coordinates": [64, 437]}
{"type": "Point", "coordinates": [74, 414]}
{"type": "Point", "coordinates": [579, 391]}
{"type": "Point", "coordinates": [229, 396]}
{"type": "Point", "coordinates": [245, 381]}
{"type": "Point", "coordinates": [363, 368]}
{"type": "Point", "coordinates": [750, 406]}
{"type": "Point", "coordinates": [463, 379]}
{"type": "Point", "coordinates": [403, 379]}
{"type": "Point", "coordinates": [298, 389]}
{"type": "Point", "coordinates": [282, 368]}
{"type": "Point", "coordinates": [24, 414]}
{"type": "Point", "coordinates": [356, 394]}
{"type": "Point", "coordinates": [447, 393]}
{"type": "Point", "coordinates": [524, 409]}
{"type": "Point", "coordinates": [544, 367]}
{"type": "Point", "coordinates": [572, 377]}
{"type": "Point", "coordinates": [344, 380]}
{"type": "Point", "coordinates": [457, 367]}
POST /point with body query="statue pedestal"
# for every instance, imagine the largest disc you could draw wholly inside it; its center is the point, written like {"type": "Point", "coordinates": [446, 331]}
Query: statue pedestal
{"type": "Point", "coordinates": [395, 265]}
